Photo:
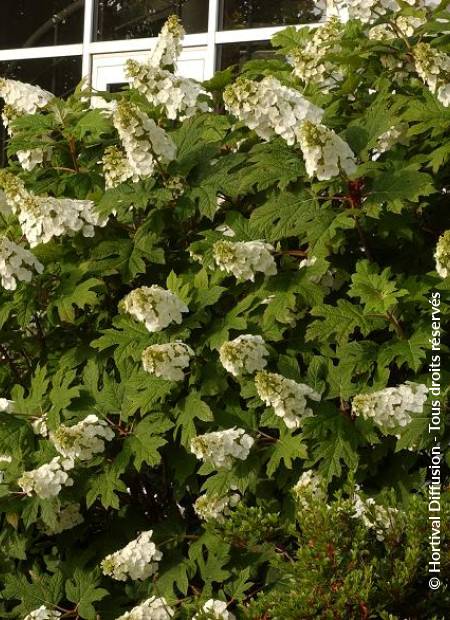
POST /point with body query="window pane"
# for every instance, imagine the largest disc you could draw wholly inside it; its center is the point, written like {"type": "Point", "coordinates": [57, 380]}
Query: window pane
{"type": "Point", "coordinates": [58, 75]}
{"type": "Point", "coordinates": [136, 19]}
{"type": "Point", "coordinates": [261, 13]}
{"type": "Point", "coordinates": [239, 53]}
{"type": "Point", "coordinates": [31, 23]}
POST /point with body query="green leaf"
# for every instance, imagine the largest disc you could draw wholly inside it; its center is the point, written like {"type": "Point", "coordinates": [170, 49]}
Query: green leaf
{"type": "Point", "coordinates": [128, 337]}
{"type": "Point", "coordinates": [143, 392]}
{"type": "Point", "coordinates": [339, 379]}
{"type": "Point", "coordinates": [121, 198]}
{"type": "Point", "coordinates": [378, 118]}
{"type": "Point", "coordinates": [6, 308]}
{"type": "Point", "coordinates": [415, 435]}
{"type": "Point", "coordinates": [92, 126]}
{"type": "Point", "coordinates": [42, 590]}
{"type": "Point", "coordinates": [411, 351]}
{"type": "Point", "coordinates": [82, 590]}
{"type": "Point", "coordinates": [34, 402]}
{"type": "Point", "coordinates": [62, 394]}
{"type": "Point", "coordinates": [283, 216]}
{"type": "Point", "coordinates": [147, 438]}
{"type": "Point", "coordinates": [337, 442]}
{"type": "Point", "coordinates": [144, 251]}
{"type": "Point", "coordinates": [237, 588]}
{"type": "Point", "coordinates": [174, 574]}
{"type": "Point", "coordinates": [211, 555]}
{"type": "Point", "coordinates": [317, 372]}
{"type": "Point", "coordinates": [288, 448]}
{"type": "Point", "coordinates": [341, 320]}
{"type": "Point", "coordinates": [234, 319]}
{"type": "Point", "coordinates": [80, 295]}
{"type": "Point", "coordinates": [395, 188]}
{"type": "Point", "coordinates": [376, 290]}
{"type": "Point", "coordinates": [107, 484]}
{"type": "Point", "coordinates": [190, 409]}
{"type": "Point", "coordinates": [270, 164]}
{"type": "Point", "coordinates": [290, 38]}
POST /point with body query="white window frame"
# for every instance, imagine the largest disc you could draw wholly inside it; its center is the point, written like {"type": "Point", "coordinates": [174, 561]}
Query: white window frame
{"type": "Point", "coordinates": [88, 48]}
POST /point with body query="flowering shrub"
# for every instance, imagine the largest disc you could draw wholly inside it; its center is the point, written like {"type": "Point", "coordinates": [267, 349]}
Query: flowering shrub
{"type": "Point", "coordinates": [215, 314]}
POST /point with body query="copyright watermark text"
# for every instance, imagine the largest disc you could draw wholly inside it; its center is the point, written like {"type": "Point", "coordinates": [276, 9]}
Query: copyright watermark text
{"type": "Point", "coordinates": [434, 430]}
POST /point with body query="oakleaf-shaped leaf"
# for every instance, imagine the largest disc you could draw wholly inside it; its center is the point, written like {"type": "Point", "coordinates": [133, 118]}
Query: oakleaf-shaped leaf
{"type": "Point", "coordinates": [341, 320]}
{"type": "Point", "coordinates": [288, 448]}
{"type": "Point", "coordinates": [377, 291]}
{"type": "Point", "coordinates": [82, 589]}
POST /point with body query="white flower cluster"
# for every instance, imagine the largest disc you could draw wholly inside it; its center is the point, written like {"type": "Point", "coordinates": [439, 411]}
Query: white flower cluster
{"type": "Point", "coordinates": [39, 426]}
{"type": "Point", "coordinates": [146, 145]}
{"type": "Point", "coordinates": [151, 609]}
{"type": "Point", "coordinates": [308, 488]}
{"type": "Point", "coordinates": [116, 167]}
{"type": "Point", "coordinates": [16, 263]}
{"type": "Point", "coordinates": [287, 397]}
{"type": "Point", "coordinates": [369, 11]}
{"type": "Point", "coordinates": [83, 440]}
{"type": "Point", "coordinates": [214, 507]}
{"type": "Point", "coordinates": [154, 306]}
{"type": "Point", "coordinates": [214, 609]}
{"type": "Point", "coordinates": [270, 108]}
{"type": "Point", "coordinates": [67, 517]}
{"type": "Point", "coordinates": [138, 560]}
{"type": "Point", "coordinates": [374, 516]}
{"type": "Point", "coordinates": [366, 11]}
{"type": "Point", "coordinates": [31, 158]}
{"type": "Point", "coordinates": [404, 24]}
{"type": "Point", "coordinates": [169, 44]}
{"type": "Point", "coordinates": [43, 613]}
{"type": "Point", "coordinates": [222, 447]}
{"type": "Point", "coordinates": [48, 479]}
{"type": "Point", "coordinates": [167, 360]}
{"type": "Point", "coordinates": [326, 154]}
{"type": "Point", "coordinates": [22, 99]}
{"type": "Point", "coordinates": [433, 67]}
{"type": "Point", "coordinates": [179, 97]}
{"type": "Point", "coordinates": [442, 255]}
{"type": "Point", "coordinates": [6, 405]}
{"type": "Point", "coordinates": [391, 407]}
{"type": "Point", "coordinates": [394, 135]}
{"type": "Point", "coordinates": [309, 62]}
{"type": "Point", "coordinates": [44, 217]}
{"type": "Point", "coordinates": [244, 259]}
{"type": "Point", "coordinates": [244, 355]}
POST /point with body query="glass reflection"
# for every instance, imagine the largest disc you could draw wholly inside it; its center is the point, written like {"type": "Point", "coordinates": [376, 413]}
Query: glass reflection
{"type": "Point", "coordinates": [116, 19]}
{"type": "Point", "coordinates": [239, 53]}
{"type": "Point", "coordinates": [237, 14]}
{"type": "Point", "coordinates": [32, 23]}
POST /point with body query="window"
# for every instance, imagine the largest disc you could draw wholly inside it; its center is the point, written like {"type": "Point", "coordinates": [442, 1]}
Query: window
{"type": "Point", "coordinates": [31, 23]}
{"type": "Point", "coordinates": [239, 53]}
{"type": "Point", "coordinates": [58, 75]}
{"type": "Point", "coordinates": [116, 19]}
{"type": "Point", "coordinates": [237, 14]}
